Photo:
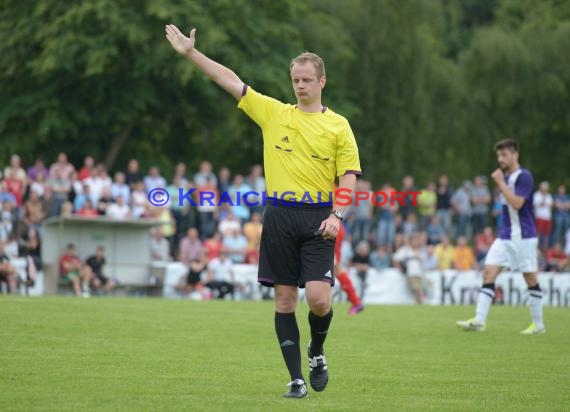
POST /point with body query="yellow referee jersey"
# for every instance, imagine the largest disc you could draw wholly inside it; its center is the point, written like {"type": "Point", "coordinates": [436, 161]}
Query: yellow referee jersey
{"type": "Point", "coordinates": [303, 152]}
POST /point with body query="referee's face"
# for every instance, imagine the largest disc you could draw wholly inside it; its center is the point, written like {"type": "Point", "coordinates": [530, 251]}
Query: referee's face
{"type": "Point", "coordinates": [306, 85]}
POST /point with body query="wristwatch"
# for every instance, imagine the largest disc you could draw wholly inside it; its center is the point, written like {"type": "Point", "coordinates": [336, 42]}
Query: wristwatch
{"type": "Point", "coordinates": [339, 214]}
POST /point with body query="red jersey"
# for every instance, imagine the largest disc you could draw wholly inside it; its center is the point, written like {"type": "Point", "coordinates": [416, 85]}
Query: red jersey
{"type": "Point", "coordinates": [68, 259]}
{"type": "Point", "coordinates": [213, 248]}
{"type": "Point", "coordinates": [84, 173]}
{"type": "Point", "coordinates": [16, 187]}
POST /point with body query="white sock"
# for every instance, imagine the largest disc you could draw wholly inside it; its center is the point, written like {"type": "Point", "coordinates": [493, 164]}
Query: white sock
{"type": "Point", "coordinates": [535, 303]}
{"type": "Point", "coordinates": [484, 300]}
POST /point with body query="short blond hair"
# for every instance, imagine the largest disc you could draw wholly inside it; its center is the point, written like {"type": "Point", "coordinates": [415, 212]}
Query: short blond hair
{"type": "Point", "coordinates": [309, 57]}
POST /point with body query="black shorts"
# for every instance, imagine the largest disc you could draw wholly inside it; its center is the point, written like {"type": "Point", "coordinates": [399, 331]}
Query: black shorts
{"type": "Point", "coordinates": [102, 279]}
{"type": "Point", "coordinates": [290, 252]}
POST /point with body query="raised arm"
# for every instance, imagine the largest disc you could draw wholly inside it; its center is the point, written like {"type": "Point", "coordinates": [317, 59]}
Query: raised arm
{"type": "Point", "coordinates": [224, 77]}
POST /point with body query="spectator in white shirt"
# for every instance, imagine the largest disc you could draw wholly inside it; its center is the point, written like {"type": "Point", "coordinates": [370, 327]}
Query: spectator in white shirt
{"type": "Point", "coordinates": [98, 182]}
{"type": "Point", "coordinates": [229, 224]}
{"type": "Point", "coordinates": [15, 169]}
{"type": "Point", "coordinates": [543, 202]}
{"type": "Point", "coordinates": [221, 276]}
{"type": "Point", "coordinates": [409, 259]}
{"type": "Point", "coordinates": [139, 200]}
{"type": "Point", "coordinates": [118, 210]}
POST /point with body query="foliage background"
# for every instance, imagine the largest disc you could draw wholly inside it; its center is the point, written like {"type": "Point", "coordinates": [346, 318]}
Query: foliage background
{"type": "Point", "coordinates": [428, 86]}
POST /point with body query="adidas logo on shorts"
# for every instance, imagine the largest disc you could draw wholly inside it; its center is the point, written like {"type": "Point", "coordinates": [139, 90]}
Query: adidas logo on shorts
{"type": "Point", "coordinates": [328, 274]}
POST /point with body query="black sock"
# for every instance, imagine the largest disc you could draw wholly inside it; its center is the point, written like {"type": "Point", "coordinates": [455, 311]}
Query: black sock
{"type": "Point", "coordinates": [535, 287]}
{"type": "Point", "coordinates": [319, 329]}
{"type": "Point", "coordinates": [489, 286]}
{"type": "Point", "coordinates": [288, 336]}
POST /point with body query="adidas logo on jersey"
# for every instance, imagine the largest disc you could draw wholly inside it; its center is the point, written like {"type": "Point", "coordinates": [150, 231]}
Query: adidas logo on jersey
{"type": "Point", "coordinates": [285, 139]}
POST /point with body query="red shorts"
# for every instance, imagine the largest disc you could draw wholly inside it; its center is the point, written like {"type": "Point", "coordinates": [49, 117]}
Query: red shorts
{"type": "Point", "coordinates": [543, 226]}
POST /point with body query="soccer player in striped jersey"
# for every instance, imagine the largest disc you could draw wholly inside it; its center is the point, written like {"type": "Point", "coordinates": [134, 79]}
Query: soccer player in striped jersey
{"type": "Point", "coordinates": [517, 243]}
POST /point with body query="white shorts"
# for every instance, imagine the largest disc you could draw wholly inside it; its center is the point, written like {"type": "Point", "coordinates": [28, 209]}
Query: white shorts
{"type": "Point", "coordinates": [517, 255]}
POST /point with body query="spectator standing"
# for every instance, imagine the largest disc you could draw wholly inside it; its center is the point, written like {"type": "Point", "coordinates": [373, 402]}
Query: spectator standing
{"type": "Point", "coordinates": [85, 171]}
{"type": "Point", "coordinates": [207, 208]}
{"type": "Point", "coordinates": [443, 205]}
{"type": "Point", "coordinates": [133, 176]}
{"type": "Point", "coordinates": [362, 213]}
{"type": "Point", "coordinates": [407, 205]}
{"type": "Point", "coordinates": [561, 214]}
{"type": "Point", "coordinates": [205, 175]}
{"type": "Point", "coordinates": [36, 169]}
{"type": "Point", "coordinates": [461, 201]}
{"type": "Point", "coordinates": [15, 169]}
{"type": "Point", "coordinates": [224, 180]}
{"type": "Point", "coordinates": [427, 203]}
{"type": "Point", "coordinates": [543, 202]}
{"type": "Point", "coordinates": [386, 226]}
{"type": "Point", "coordinates": [120, 188]}
{"type": "Point", "coordinates": [480, 199]}
{"type": "Point", "coordinates": [435, 231]}
{"type": "Point", "coordinates": [154, 180]}
{"type": "Point", "coordinates": [63, 168]}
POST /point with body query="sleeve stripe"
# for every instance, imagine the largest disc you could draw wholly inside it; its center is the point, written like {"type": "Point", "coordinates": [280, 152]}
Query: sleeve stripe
{"type": "Point", "coordinates": [353, 172]}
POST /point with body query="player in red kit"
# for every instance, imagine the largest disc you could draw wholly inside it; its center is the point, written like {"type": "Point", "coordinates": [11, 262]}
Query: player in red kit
{"type": "Point", "coordinates": [342, 276]}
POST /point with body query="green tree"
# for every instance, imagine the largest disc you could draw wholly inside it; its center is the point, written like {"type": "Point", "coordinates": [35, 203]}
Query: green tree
{"type": "Point", "coordinates": [97, 77]}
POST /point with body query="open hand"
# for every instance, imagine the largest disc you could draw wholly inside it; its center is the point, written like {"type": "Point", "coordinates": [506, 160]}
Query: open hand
{"type": "Point", "coordinates": [178, 41]}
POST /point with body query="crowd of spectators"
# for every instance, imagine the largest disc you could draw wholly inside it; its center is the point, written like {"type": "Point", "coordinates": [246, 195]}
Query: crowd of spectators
{"type": "Point", "coordinates": [452, 227]}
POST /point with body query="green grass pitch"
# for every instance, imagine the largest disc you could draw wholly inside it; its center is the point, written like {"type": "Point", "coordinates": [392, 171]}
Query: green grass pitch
{"type": "Point", "coordinates": [63, 353]}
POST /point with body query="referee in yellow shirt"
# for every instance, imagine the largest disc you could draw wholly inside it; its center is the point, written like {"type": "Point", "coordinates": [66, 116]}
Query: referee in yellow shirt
{"type": "Point", "coordinates": [306, 146]}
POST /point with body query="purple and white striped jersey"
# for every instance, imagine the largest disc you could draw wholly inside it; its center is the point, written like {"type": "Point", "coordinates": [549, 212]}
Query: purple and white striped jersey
{"type": "Point", "coordinates": [519, 224]}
